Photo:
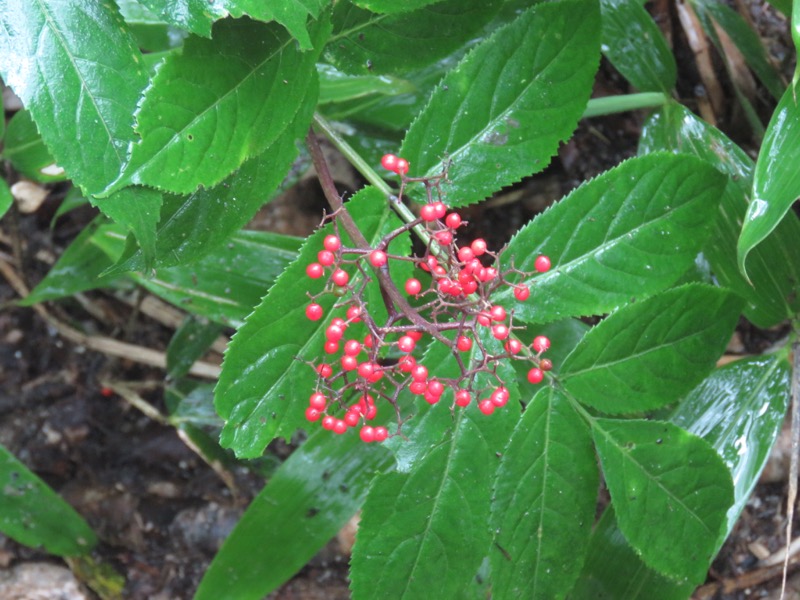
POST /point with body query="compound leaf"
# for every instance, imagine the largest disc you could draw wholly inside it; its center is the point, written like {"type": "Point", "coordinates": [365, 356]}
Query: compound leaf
{"type": "Point", "coordinates": [535, 76]}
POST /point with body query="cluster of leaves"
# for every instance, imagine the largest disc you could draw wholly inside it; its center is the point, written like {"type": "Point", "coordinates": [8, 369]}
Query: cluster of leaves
{"type": "Point", "coordinates": [178, 148]}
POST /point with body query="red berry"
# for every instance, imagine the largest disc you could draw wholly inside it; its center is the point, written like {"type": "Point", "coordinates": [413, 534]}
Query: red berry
{"type": "Point", "coordinates": [415, 335]}
{"type": "Point", "coordinates": [331, 347]}
{"type": "Point", "coordinates": [402, 166]}
{"type": "Point", "coordinates": [535, 375]}
{"type": "Point", "coordinates": [478, 247]}
{"type": "Point", "coordinates": [513, 346]}
{"type": "Point", "coordinates": [312, 414]}
{"type": "Point", "coordinates": [469, 287]}
{"type": "Point", "coordinates": [487, 274]}
{"type": "Point", "coordinates": [542, 264]}
{"type": "Point", "coordinates": [317, 401]}
{"type": "Point", "coordinates": [389, 162]}
{"type": "Point", "coordinates": [349, 363]}
{"type": "Point", "coordinates": [428, 213]}
{"type": "Point", "coordinates": [352, 347]}
{"type": "Point", "coordinates": [444, 237]}
{"type": "Point", "coordinates": [521, 292]}
{"type": "Point", "coordinates": [352, 417]}
{"type": "Point", "coordinates": [500, 396]}
{"type": "Point", "coordinates": [419, 373]}
{"type": "Point", "coordinates": [367, 434]}
{"type": "Point", "coordinates": [465, 254]}
{"type": "Point", "coordinates": [314, 312]}
{"type": "Point", "coordinates": [486, 406]}
{"type": "Point", "coordinates": [417, 387]}
{"type": "Point", "coordinates": [464, 344]}
{"type": "Point", "coordinates": [340, 277]}
{"type": "Point", "coordinates": [332, 243]}
{"type": "Point", "coordinates": [406, 363]}
{"type": "Point", "coordinates": [498, 313]}
{"type": "Point", "coordinates": [324, 370]}
{"type": "Point", "coordinates": [413, 287]}
{"type": "Point", "coordinates": [354, 314]}
{"type": "Point", "coordinates": [431, 398]}
{"type": "Point", "coordinates": [326, 257]}
{"type": "Point", "coordinates": [441, 209]}
{"type": "Point", "coordinates": [315, 270]}
{"type": "Point", "coordinates": [378, 258]}
{"type": "Point", "coordinates": [339, 426]}
{"type": "Point", "coordinates": [463, 398]}
{"type": "Point", "coordinates": [328, 422]}
{"type": "Point", "coordinates": [540, 343]}
{"type": "Point", "coordinates": [500, 332]}
{"type": "Point", "coordinates": [371, 413]}
{"type": "Point", "coordinates": [366, 370]}
{"type": "Point", "coordinates": [453, 220]}
{"type": "Point", "coordinates": [484, 318]}
{"type": "Point", "coordinates": [406, 344]}
{"type": "Point", "coordinates": [381, 434]}
{"type": "Point", "coordinates": [436, 388]}
{"type": "Point", "coordinates": [334, 333]}
{"type": "Point", "coordinates": [377, 373]}
{"type": "Point", "coordinates": [106, 392]}
{"type": "Point", "coordinates": [368, 340]}
{"type": "Point", "coordinates": [339, 322]}
{"type": "Point", "coordinates": [545, 364]}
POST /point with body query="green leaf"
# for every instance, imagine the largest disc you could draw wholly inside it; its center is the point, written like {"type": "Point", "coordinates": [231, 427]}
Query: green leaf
{"type": "Point", "coordinates": [670, 491]}
{"type": "Point", "coordinates": [265, 383]}
{"type": "Point", "coordinates": [75, 67]}
{"type": "Point", "coordinates": [534, 79]}
{"type": "Point", "coordinates": [392, 6]}
{"type": "Point", "coordinates": [739, 409]}
{"type": "Point", "coordinates": [635, 46]}
{"type": "Point", "coordinates": [305, 503]}
{"type": "Point", "coordinates": [335, 86]}
{"type": "Point", "coordinates": [367, 43]}
{"type": "Point", "coordinates": [26, 150]}
{"type": "Point", "coordinates": [33, 514]}
{"type": "Point", "coordinates": [544, 501]}
{"type": "Point", "coordinates": [776, 183]}
{"type": "Point", "coordinates": [648, 354]}
{"type": "Point", "coordinates": [151, 33]}
{"type": "Point", "coordinates": [774, 265]}
{"type": "Point", "coordinates": [624, 235]}
{"type": "Point", "coordinates": [190, 342]}
{"type": "Point", "coordinates": [219, 103]}
{"type": "Point", "coordinates": [6, 199]}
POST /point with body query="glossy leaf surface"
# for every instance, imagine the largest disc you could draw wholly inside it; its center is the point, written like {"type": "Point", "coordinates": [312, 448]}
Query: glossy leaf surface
{"type": "Point", "coordinates": [365, 43]}
{"type": "Point", "coordinates": [198, 16]}
{"type": "Point", "coordinates": [24, 147]}
{"type": "Point", "coordinates": [335, 86]}
{"type": "Point", "coordinates": [535, 78]}
{"type": "Point", "coordinates": [218, 103]}
{"type": "Point", "coordinates": [776, 182]}
{"type": "Point", "coordinates": [670, 491]}
{"type": "Point", "coordinates": [33, 514]}
{"type": "Point", "coordinates": [635, 46]}
{"type": "Point", "coordinates": [770, 298]}
{"type": "Point", "coordinates": [622, 236]}
{"type": "Point", "coordinates": [648, 354]}
{"type": "Point", "coordinates": [392, 6]}
{"type": "Point", "coordinates": [544, 501]}
{"type": "Point", "coordinates": [75, 67]}
{"type": "Point", "coordinates": [265, 384]}
{"type": "Point", "coordinates": [307, 500]}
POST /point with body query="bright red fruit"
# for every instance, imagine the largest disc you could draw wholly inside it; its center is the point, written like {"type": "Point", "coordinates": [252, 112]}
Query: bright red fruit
{"type": "Point", "coordinates": [312, 414]}
{"type": "Point", "coordinates": [314, 312]}
{"type": "Point", "coordinates": [498, 313]}
{"type": "Point", "coordinates": [540, 343]}
{"type": "Point", "coordinates": [332, 243]}
{"type": "Point", "coordinates": [542, 264]}
{"type": "Point", "coordinates": [340, 277]}
{"type": "Point", "coordinates": [402, 166]}
{"type": "Point", "coordinates": [535, 375]}
{"type": "Point", "coordinates": [463, 398]}
{"type": "Point", "coordinates": [367, 434]}
{"type": "Point", "coordinates": [453, 220]}
{"type": "Point", "coordinates": [522, 293]}
{"type": "Point", "coordinates": [486, 406]}
{"type": "Point", "coordinates": [413, 287]}
{"type": "Point", "coordinates": [389, 162]}
{"type": "Point", "coordinates": [500, 332]}
{"type": "Point", "coordinates": [378, 258]}
{"type": "Point", "coordinates": [381, 434]}
{"type": "Point", "coordinates": [317, 401]}
{"type": "Point", "coordinates": [406, 344]}
{"type": "Point", "coordinates": [478, 246]}
{"type": "Point", "coordinates": [428, 213]}
{"type": "Point", "coordinates": [326, 257]}
{"type": "Point", "coordinates": [315, 270]}
{"type": "Point", "coordinates": [464, 344]}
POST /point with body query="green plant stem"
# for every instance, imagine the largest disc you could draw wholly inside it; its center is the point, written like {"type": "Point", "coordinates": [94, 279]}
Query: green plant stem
{"type": "Point", "coordinates": [615, 104]}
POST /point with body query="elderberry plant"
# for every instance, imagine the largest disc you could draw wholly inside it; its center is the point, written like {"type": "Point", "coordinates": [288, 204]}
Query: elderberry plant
{"type": "Point", "coordinates": [389, 318]}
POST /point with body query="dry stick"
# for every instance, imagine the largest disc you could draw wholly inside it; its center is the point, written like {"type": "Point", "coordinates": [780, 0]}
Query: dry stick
{"type": "Point", "coordinates": [793, 467]}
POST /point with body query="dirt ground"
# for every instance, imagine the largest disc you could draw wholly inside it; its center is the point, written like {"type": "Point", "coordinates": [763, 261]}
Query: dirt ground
{"type": "Point", "coordinates": [159, 509]}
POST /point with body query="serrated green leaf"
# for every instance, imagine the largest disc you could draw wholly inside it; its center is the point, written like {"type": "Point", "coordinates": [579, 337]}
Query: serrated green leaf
{"type": "Point", "coordinates": [26, 150]}
{"type": "Point", "coordinates": [648, 354]}
{"type": "Point", "coordinates": [219, 103]}
{"type": "Point", "coordinates": [151, 33]}
{"type": "Point", "coordinates": [33, 514]}
{"type": "Point", "coordinates": [392, 6]}
{"type": "Point", "coordinates": [774, 265]}
{"type": "Point", "coordinates": [265, 382]}
{"type": "Point", "coordinates": [305, 503]}
{"type": "Point", "coordinates": [776, 183]}
{"type": "Point", "coordinates": [197, 16]}
{"type": "Point", "coordinates": [635, 46]}
{"type": "Point", "coordinates": [66, 61]}
{"type": "Point", "coordinates": [670, 491]}
{"type": "Point", "coordinates": [191, 340]}
{"type": "Point", "coordinates": [545, 496]}
{"type": "Point", "coordinates": [367, 43]}
{"type": "Point", "coordinates": [71, 201]}
{"type": "Point", "coordinates": [622, 236]}
{"type": "Point", "coordinates": [535, 79]}
{"type": "Point", "coordinates": [6, 199]}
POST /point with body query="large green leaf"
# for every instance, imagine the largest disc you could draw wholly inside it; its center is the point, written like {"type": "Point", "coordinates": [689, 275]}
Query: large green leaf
{"type": "Point", "coordinates": [24, 147]}
{"type": "Point", "coordinates": [622, 236]}
{"type": "Point", "coordinates": [544, 501]}
{"type": "Point", "coordinates": [34, 515]}
{"type": "Point", "coordinates": [534, 79]}
{"type": "Point", "coordinates": [648, 354]}
{"type": "Point", "coordinates": [774, 265]}
{"type": "Point", "coordinates": [367, 43]}
{"type": "Point", "coordinates": [635, 46]}
{"type": "Point", "coordinates": [75, 67]}
{"type": "Point", "coordinates": [265, 383]}
{"type": "Point", "coordinates": [776, 183]}
{"type": "Point", "coordinates": [197, 16]}
{"type": "Point", "coordinates": [191, 340]}
{"type": "Point", "coordinates": [335, 86]}
{"type": "Point", "coordinates": [392, 6]}
{"type": "Point", "coordinates": [219, 103]}
{"type": "Point", "coordinates": [6, 199]}
{"type": "Point", "coordinates": [305, 503]}
{"type": "Point", "coordinates": [151, 33]}
{"type": "Point", "coordinates": [670, 491]}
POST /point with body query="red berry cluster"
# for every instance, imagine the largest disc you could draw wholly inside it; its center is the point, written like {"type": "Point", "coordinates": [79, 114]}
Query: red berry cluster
{"type": "Point", "coordinates": [453, 307]}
